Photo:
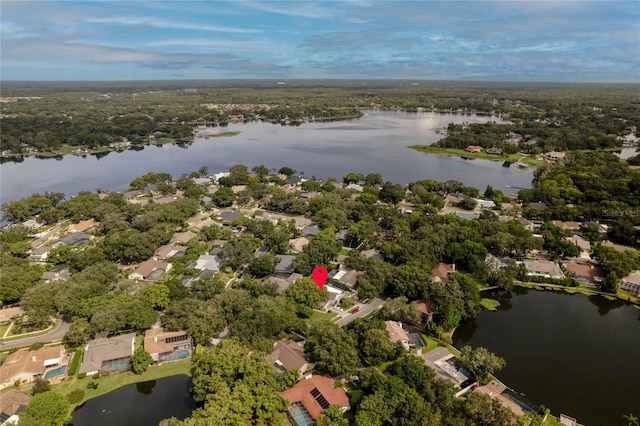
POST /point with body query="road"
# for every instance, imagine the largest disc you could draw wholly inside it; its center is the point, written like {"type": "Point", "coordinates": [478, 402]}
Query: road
{"type": "Point", "coordinates": [55, 336]}
{"type": "Point", "coordinates": [364, 311]}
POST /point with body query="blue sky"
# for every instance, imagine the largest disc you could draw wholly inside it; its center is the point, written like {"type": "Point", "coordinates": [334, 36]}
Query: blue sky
{"type": "Point", "coordinates": [583, 41]}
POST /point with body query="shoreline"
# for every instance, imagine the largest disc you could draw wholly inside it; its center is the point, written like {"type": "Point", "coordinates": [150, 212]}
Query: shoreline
{"type": "Point", "coordinates": [525, 159]}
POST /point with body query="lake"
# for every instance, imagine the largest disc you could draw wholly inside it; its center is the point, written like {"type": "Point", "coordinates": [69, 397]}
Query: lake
{"type": "Point", "coordinates": [374, 143]}
{"type": "Point", "coordinates": [574, 354]}
{"type": "Point", "coordinates": [140, 404]}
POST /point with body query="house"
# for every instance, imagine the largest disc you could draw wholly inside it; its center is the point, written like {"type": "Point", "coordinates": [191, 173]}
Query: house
{"type": "Point", "coordinates": [494, 151]}
{"type": "Point", "coordinates": [484, 204]}
{"type": "Point", "coordinates": [526, 224]}
{"type": "Point", "coordinates": [372, 254]}
{"type": "Point", "coordinates": [348, 276]}
{"type": "Point", "coordinates": [217, 176]}
{"type": "Point", "coordinates": [443, 363]}
{"type": "Point", "coordinates": [12, 403]}
{"type": "Point", "coordinates": [75, 239]}
{"type": "Point", "coordinates": [554, 156]}
{"type": "Point", "coordinates": [467, 215]}
{"type": "Point", "coordinates": [397, 333]}
{"type": "Point", "coordinates": [566, 225]}
{"type": "Point", "coordinates": [426, 308]}
{"type": "Point", "coordinates": [311, 396]}
{"type": "Point", "coordinates": [631, 283]}
{"type": "Point", "coordinates": [441, 270]}
{"type": "Point", "coordinates": [60, 274]}
{"type": "Point", "coordinates": [283, 283]}
{"type": "Point", "coordinates": [150, 270]}
{"type": "Point", "coordinates": [335, 294]}
{"type": "Point", "coordinates": [164, 346]}
{"type": "Point", "coordinates": [132, 195]}
{"type": "Point", "coordinates": [7, 314]}
{"type": "Point", "coordinates": [341, 235]}
{"type": "Point", "coordinates": [473, 148]}
{"type": "Point", "coordinates": [107, 355]}
{"type": "Point", "coordinates": [238, 188]}
{"type": "Point", "coordinates": [188, 280]}
{"type": "Point", "coordinates": [289, 355]}
{"type": "Point", "coordinates": [168, 250]}
{"type": "Point", "coordinates": [182, 237]}
{"type": "Point", "coordinates": [309, 195]}
{"type": "Point", "coordinates": [40, 254]}
{"type": "Point", "coordinates": [297, 244]}
{"type": "Point", "coordinates": [217, 246]}
{"type": "Point", "coordinates": [543, 268]}
{"type": "Point", "coordinates": [537, 206]}
{"type": "Point", "coordinates": [202, 181]}
{"type": "Point", "coordinates": [585, 273]}
{"type": "Point", "coordinates": [310, 230]}
{"type": "Point", "coordinates": [229, 216]}
{"type": "Point", "coordinates": [208, 262]}
{"type": "Point", "coordinates": [584, 245]}
{"type": "Point", "coordinates": [285, 263]}
{"type": "Point", "coordinates": [355, 187]}
{"type": "Point", "coordinates": [617, 247]}
{"type": "Point", "coordinates": [24, 365]}
{"type": "Point", "coordinates": [84, 226]}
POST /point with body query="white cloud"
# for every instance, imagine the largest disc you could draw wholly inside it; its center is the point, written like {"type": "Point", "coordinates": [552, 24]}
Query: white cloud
{"type": "Point", "coordinates": [162, 23]}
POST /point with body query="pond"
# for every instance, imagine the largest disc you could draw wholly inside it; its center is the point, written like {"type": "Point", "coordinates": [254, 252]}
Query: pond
{"type": "Point", "coordinates": [140, 404]}
{"type": "Point", "coordinates": [574, 354]}
{"type": "Point", "coordinates": [375, 143]}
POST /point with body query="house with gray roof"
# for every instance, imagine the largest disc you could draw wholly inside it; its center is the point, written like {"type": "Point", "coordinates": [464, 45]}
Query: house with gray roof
{"type": "Point", "coordinates": [229, 216]}
{"type": "Point", "coordinates": [107, 355]}
{"type": "Point", "coordinates": [310, 230]}
{"type": "Point", "coordinates": [543, 268]}
{"type": "Point", "coordinates": [75, 239]}
{"type": "Point", "coordinates": [208, 262]}
{"type": "Point", "coordinates": [285, 263]}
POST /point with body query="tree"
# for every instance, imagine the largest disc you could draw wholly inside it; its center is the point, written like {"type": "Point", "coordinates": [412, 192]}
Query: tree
{"type": "Point", "coordinates": [48, 409]}
{"type": "Point", "coordinates": [202, 319]}
{"type": "Point", "coordinates": [140, 361]}
{"type": "Point", "coordinates": [376, 347]}
{"type": "Point", "coordinates": [236, 253]}
{"type": "Point", "coordinates": [353, 178]}
{"type": "Point", "coordinates": [77, 334]}
{"type": "Point", "coordinates": [263, 266]}
{"type": "Point", "coordinates": [482, 410]}
{"type": "Point", "coordinates": [391, 193]}
{"type": "Point", "coordinates": [261, 170]}
{"type": "Point", "coordinates": [75, 396]}
{"type": "Point", "coordinates": [481, 362]}
{"type": "Point", "coordinates": [207, 288]}
{"type": "Point", "coordinates": [286, 171]}
{"type": "Point", "coordinates": [399, 309]}
{"type": "Point", "coordinates": [332, 349]}
{"type": "Point", "coordinates": [156, 295]}
{"type": "Point", "coordinates": [40, 386]}
{"type": "Point", "coordinates": [223, 197]}
{"type": "Point", "coordinates": [610, 283]}
{"type": "Point", "coordinates": [373, 179]}
{"type": "Point", "coordinates": [306, 296]}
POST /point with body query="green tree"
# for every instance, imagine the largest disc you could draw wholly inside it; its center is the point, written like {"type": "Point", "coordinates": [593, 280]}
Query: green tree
{"type": "Point", "coordinates": [332, 349]}
{"type": "Point", "coordinates": [223, 197]}
{"type": "Point", "coordinates": [610, 283]}
{"type": "Point", "coordinates": [353, 178]}
{"type": "Point", "coordinates": [262, 266]}
{"type": "Point", "coordinates": [40, 386]}
{"type": "Point", "coordinates": [391, 193]}
{"type": "Point", "coordinates": [481, 362]}
{"type": "Point", "coordinates": [306, 296]}
{"type": "Point", "coordinates": [47, 409]}
{"type": "Point", "coordinates": [140, 361]}
{"type": "Point", "coordinates": [373, 179]}
{"type": "Point", "coordinates": [236, 253]}
{"type": "Point", "coordinates": [286, 171]}
{"type": "Point", "coordinates": [156, 295]}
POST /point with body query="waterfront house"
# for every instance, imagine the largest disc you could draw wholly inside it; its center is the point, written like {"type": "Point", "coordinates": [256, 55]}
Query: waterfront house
{"type": "Point", "coordinates": [554, 156]}
{"type": "Point", "coordinates": [473, 148]}
{"type": "Point", "coordinates": [24, 365]}
{"type": "Point", "coordinates": [164, 346]}
{"type": "Point", "coordinates": [585, 273]}
{"type": "Point", "coordinates": [12, 403]}
{"type": "Point", "coordinates": [543, 268]}
{"type": "Point", "coordinates": [494, 151]}
{"type": "Point", "coordinates": [441, 270]}
{"type": "Point", "coordinates": [397, 333]}
{"type": "Point", "coordinates": [107, 355]}
{"type": "Point", "coordinates": [631, 283]}
{"type": "Point", "coordinates": [311, 396]}
{"type": "Point", "coordinates": [584, 245]}
{"type": "Point", "coordinates": [444, 364]}
{"type": "Point", "coordinates": [484, 204]}
{"type": "Point", "coordinates": [289, 355]}
{"type": "Point", "coordinates": [150, 270]}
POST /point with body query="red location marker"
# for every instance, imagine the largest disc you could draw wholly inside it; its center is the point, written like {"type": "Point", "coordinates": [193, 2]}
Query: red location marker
{"type": "Point", "coordinates": [320, 275]}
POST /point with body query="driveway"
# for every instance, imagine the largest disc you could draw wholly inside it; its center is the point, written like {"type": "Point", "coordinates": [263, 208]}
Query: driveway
{"type": "Point", "coordinates": [54, 336]}
{"type": "Point", "coordinates": [364, 311]}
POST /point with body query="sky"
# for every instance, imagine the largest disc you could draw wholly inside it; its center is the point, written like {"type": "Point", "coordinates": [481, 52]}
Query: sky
{"type": "Point", "coordinates": [556, 41]}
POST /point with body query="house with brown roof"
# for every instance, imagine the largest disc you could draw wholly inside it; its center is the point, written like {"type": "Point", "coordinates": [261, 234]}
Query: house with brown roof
{"type": "Point", "coordinates": [169, 250]}
{"type": "Point", "coordinates": [311, 396]}
{"type": "Point", "coordinates": [182, 237]}
{"type": "Point", "coordinates": [583, 245]}
{"type": "Point", "coordinates": [297, 244]}
{"type": "Point", "coordinates": [426, 308]}
{"type": "Point", "coordinates": [107, 355]}
{"type": "Point", "coordinates": [24, 365]}
{"type": "Point", "coordinates": [585, 273]}
{"type": "Point", "coordinates": [473, 148]}
{"type": "Point", "coordinates": [84, 226]}
{"type": "Point", "coordinates": [166, 346]}
{"type": "Point", "coordinates": [441, 270]}
{"type": "Point", "coordinates": [494, 151]}
{"type": "Point", "coordinates": [12, 403]}
{"type": "Point", "coordinates": [566, 225]}
{"type": "Point", "coordinates": [289, 355]}
{"type": "Point", "coordinates": [397, 333]}
{"type": "Point", "coordinates": [150, 270]}
{"type": "Point", "coordinates": [543, 268]}
{"type": "Point", "coordinates": [631, 283]}
{"type": "Point", "coordinates": [348, 276]}
{"type": "Point", "coordinates": [7, 314]}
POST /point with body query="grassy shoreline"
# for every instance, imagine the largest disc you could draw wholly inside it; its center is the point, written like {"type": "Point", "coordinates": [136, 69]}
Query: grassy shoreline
{"type": "Point", "coordinates": [452, 152]}
{"type": "Point", "coordinates": [625, 297]}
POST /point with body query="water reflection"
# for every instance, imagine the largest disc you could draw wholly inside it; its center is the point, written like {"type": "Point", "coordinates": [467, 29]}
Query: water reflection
{"type": "Point", "coordinates": [146, 388]}
{"type": "Point", "coordinates": [605, 305]}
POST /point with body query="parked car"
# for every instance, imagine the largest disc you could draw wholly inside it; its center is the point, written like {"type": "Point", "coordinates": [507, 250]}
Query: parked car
{"type": "Point", "coordinates": [355, 311]}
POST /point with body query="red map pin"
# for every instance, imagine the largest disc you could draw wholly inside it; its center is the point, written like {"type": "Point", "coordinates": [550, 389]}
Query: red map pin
{"type": "Point", "coordinates": [320, 275]}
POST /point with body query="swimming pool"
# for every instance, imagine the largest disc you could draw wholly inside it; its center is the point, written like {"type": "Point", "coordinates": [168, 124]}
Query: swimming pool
{"type": "Point", "coordinates": [55, 372]}
{"type": "Point", "coordinates": [178, 355]}
{"type": "Point", "coordinates": [300, 415]}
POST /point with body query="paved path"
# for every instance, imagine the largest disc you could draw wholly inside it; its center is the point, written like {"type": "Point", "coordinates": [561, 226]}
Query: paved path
{"type": "Point", "coordinates": [54, 336]}
{"type": "Point", "coordinates": [364, 311]}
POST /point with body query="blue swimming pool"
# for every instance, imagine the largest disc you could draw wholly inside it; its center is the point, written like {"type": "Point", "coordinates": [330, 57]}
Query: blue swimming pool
{"type": "Point", "coordinates": [117, 366]}
{"type": "Point", "coordinates": [178, 355]}
{"type": "Point", "coordinates": [300, 415]}
{"type": "Point", "coordinates": [55, 372]}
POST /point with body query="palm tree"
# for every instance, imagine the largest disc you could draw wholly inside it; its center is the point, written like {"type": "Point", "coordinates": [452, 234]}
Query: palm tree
{"type": "Point", "coordinates": [633, 420]}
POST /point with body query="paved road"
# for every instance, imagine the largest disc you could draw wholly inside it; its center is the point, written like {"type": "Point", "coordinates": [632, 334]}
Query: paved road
{"type": "Point", "coordinates": [364, 310]}
{"type": "Point", "coordinates": [55, 336]}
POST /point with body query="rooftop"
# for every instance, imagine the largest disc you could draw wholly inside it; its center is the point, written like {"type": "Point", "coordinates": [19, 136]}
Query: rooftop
{"type": "Point", "coordinates": [288, 355]}
{"type": "Point", "coordinates": [100, 350]}
{"type": "Point", "coordinates": [317, 393]}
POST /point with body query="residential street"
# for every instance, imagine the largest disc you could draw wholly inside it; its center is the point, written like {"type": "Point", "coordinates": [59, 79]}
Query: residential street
{"type": "Point", "coordinates": [55, 336]}
{"type": "Point", "coordinates": [364, 311]}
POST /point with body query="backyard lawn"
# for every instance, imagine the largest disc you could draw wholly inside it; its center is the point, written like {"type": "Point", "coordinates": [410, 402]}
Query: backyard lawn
{"type": "Point", "coordinates": [317, 316]}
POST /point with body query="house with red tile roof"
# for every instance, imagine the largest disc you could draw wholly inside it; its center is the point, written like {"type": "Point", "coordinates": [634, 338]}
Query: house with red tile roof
{"type": "Point", "coordinates": [311, 396]}
{"type": "Point", "coordinates": [441, 270]}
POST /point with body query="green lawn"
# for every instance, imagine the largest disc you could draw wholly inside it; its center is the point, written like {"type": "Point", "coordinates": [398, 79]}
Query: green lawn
{"type": "Point", "coordinates": [109, 383]}
{"type": "Point", "coordinates": [38, 333]}
{"type": "Point", "coordinates": [431, 343]}
{"type": "Point", "coordinates": [318, 316]}
{"type": "Point", "coordinates": [3, 329]}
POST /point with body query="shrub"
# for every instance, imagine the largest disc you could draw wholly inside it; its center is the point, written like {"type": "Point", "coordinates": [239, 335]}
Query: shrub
{"type": "Point", "coordinates": [75, 363]}
{"type": "Point", "coordinates": [36, 346]}
{"type": "Point", "coordinates": [75, 396]}
{"type": "Point", "coordinates": [40, 386]}
{"type": "Point", "coordinates": [92, 385]}
{"type": "Point", "coordinates": [82, 375]}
